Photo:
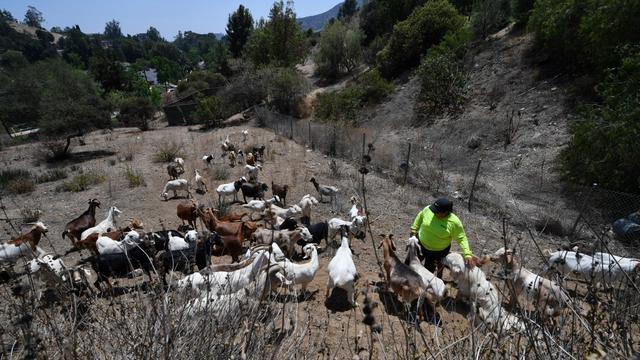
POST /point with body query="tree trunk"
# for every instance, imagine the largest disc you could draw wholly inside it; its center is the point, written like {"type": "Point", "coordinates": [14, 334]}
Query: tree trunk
{"type": "Point", "coordinates": [66, 147]}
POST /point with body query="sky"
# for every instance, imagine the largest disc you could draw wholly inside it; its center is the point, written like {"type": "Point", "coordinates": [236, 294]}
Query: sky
{"type": "Point", "coordinates": [136, 16]}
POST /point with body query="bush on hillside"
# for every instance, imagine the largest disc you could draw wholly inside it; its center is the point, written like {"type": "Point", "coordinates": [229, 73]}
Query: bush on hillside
{"type": "Point", "coordinates": [604, 147]}
{"type": "Point", "coordinates": [443, 82]}
{"type": "Point", "coordinates": [411, 38]}
{"type": "Point", "coordinates": [585, 35]}
{"type": "Point", "coordinates": [489, 16]}
{"type": "Point", "coordinates": [520, 10]}
{"type": "Point", "coordinates": [339, 51]}
{"type": "Point", "coordinates": [210, 112]}
{"type": "Point", "coordinates": [286, 88]}
{"type": "Point", "coordinates": [343, 105]}
{"type": "Point", "coordinates": [136, 111]}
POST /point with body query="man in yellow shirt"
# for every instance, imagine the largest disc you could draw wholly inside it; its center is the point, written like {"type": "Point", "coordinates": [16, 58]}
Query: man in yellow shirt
{"type": "Point", "coordinates": [435, 226]}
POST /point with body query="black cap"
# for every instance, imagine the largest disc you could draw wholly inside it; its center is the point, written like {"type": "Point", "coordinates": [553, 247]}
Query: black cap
{"type": "Point", "coordinates": [443, 204]}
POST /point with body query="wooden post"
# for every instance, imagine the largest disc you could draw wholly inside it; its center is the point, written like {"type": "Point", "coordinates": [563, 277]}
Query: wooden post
{"type": "Point", "coordinates": [364, 137]}
{"type": "Point", "coordinates": [406, 168]}
{"type": "Point", "coordinates": [475, 177]}
{"type": "Point", "coordinates": [290, 128]}
{"type": "Point", "coordinates": [309, 123]}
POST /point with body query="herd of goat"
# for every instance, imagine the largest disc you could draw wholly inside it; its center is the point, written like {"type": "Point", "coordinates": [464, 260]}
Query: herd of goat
{"type": "Point", "coordinates": [283, 250]}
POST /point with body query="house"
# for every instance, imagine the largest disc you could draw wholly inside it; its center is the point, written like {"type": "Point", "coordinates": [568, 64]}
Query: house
{"type": "Point", "coordinates": [151, 75]}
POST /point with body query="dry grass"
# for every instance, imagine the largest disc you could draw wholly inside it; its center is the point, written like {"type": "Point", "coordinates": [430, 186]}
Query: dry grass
{"type": "Point", "coordinates": [134, 178]}
{"type": "Point", "coordinates": [81, 182]}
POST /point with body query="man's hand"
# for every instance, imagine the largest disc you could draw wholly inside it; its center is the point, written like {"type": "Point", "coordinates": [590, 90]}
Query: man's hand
{"type": "Point", "coordinates": [470, 262]}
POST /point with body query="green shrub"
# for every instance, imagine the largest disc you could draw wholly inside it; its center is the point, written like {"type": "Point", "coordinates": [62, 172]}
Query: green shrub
{"type": "Point", "coordinates": [585, 35]}
{"type": "Point", "coordinates": [21, 186]}
{"type": "Point", "coordinates": [339, 51]}
{"type": "Point", "coordinates": [134, 177]}
{"type": "Point", "coordinates": [443, 82]}
{"type": "Point", "coordinates": [8, 175]}
{"type": "Point", "coordinates": [489, 16]}
{"type": "Point", "coordinates": [604, 146]}
{"type": "Point", "coordinates": [520, 10]}
{"type": "Point", "coordinates": [81, 182]}
{"type": "Point", "coordinates": [411, 38]}
{"type": "Point", "coordinates": [168, 151]}
{"type": "Point", "coordinates": [286, 88]}
{"type": "Point", "coordinates": [220, 172]}
{"type": "Point", "coordinates": [210, 112]}
{"type": "Point", "coordinates": [136, 111]}
{"type": "Point", "coordinates": [52, 175]}
{"type": "Point", "coordinates": [343, 105]}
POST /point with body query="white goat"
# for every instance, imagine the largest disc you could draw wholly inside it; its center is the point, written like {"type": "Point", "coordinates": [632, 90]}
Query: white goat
{"type": "Point", "coordinates": [177, 243]}
{"type": "Point", "coordinates": [179, 161]}
{"type": "Point", "coordinates": [306, 204]}
{"type": "Point", "coordinates": [221, 307]}
{"type": "Point", "coordinates": [208, 159]}
{"type": "Point", "coordinates": [106, 225]}
{"type": "Point", "coordinates": [53, 273]}
{"type": "Point", "coordinates": [175, 185]}
{"type": "Point", "coordinates": [225, 282]}
{"type": "Point", "coordinates": [252, 172]}
{"type": "Point", "coordinates": [232, 188]}
{"type": "Point", "coordinates": [302, 274]}
{"type": "Point", "coordinates": [260, 205]}
{"type": "Point", "coordinates": [107, 245]}
{"type": "Point", "coordinates": [245, 134]}
{"type": "Point", "coordinates": [285, 213]}
{"type": "Point", "coordinates": [355, 210]}
{"type": "Point", "coordinates": [434, 286]}
{"type": "Point", "coordinates": [600, 268]}
{"type": "Point", "coordinates": [199, 181]}
{"type": "Point", "coordinates": [474, 286]}
{"type": "Point", "coordinates": [543, 293]}
{"type": "Point", "coordinates": [356, 227]}
{"type": "Point", "coordinates": [342, 272]}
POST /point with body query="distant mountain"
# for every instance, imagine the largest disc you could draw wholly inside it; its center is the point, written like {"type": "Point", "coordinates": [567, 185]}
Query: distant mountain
{"type": "Point", "coordinates": [317, 22]}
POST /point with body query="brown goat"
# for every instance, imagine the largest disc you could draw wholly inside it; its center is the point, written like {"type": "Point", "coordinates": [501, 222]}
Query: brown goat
{"type": "Point", "coordinates": [231, 234]}
{"type": "Point", "coordinates": [32, 238]}
{"type": "Point", "coordinates": [281, 191]}
{"type": "Point", "coordinates": [250, 159]}
{"type": "Point", "coordinates": [188, 211]}
{"type": "Point", "coordinates": [403, 280]}
{"type": "Point", "coordinates": [87, 220]}
{"type": "Point", "coordinates": [174, 170]}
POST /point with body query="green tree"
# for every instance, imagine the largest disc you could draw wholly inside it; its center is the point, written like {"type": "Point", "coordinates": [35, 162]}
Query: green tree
{"type": "Point", "coordinates": [278, 41]}
{"type": "Point", "coordinates": [108, 72]}
{"type": "Point", "coordinates": [348, 9]}
{"type": "Point", "coordinates": [377, 18]}
{"type": "Point", "coordinates": [411, 38]}
{"type": "Point", "coordinates": [112, 30]}
{"type": "Point", "coordinates": [136, 111]}
{"type": "Point", "coordinates": [12, 60]}
{"type": "Point", "coordinates": [5, 15]}
{"type": "Point", "coordinates": [339, 50]}
{"type": "Point", "coordinates": [209, 112]}
{"type": "Point", "coordinates": [154, 35]}
{"type": "Point", "coordinates": [489, 16]}
{"type": "Point", "coordinates": [239, 27]}
{"type": "Point", "coordinates": [33, 17]}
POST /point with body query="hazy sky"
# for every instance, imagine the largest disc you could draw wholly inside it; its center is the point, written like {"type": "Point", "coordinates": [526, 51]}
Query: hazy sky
{"type": "Point", "coordinates": [135, 16]}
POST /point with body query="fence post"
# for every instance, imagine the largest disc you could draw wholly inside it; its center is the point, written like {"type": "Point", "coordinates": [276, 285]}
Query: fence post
{"type": "Point", "coordinates": [310, 143]}
{"type": "Point", "coordinates": [406, 167]}
{"type": "Point", "coordinates": [290, 128]}
{"type": "Point", "coordinates": [473, 186]}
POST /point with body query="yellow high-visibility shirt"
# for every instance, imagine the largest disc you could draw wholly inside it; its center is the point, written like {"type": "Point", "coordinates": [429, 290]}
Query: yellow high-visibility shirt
{"type": "Point", "coordinates": [436, 234]}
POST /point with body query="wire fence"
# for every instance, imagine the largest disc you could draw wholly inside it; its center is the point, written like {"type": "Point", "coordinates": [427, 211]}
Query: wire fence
{"type": "Point", "coordinates": [532, 197]}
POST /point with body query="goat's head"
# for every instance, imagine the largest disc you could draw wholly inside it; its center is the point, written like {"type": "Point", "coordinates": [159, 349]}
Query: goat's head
{"type": "Point", "coordinates": [40, 226]}
{"type": "Point", "coordinates": [502, 254]}
{"type": "Point", "coordinates": [136, 223]}
{"type": "Point", "coordinates": [164, 195]}
{"type": "Point", "coordinates": [264, 187]}
{"type": "Point", "coordinates": [114, 211]}
{"type": "Point", "coordinates": [191, 236]}
{"type": "Point", "coordinates": [309, 249]}
{"type": "Point", "coordinates": [305, 234]}
{"type": "Point", "coordinates": [454, 262]}
{"type": "Point", "coordinates": [94, 202]}
{"type": "Point", "coordinates": [313, 180]}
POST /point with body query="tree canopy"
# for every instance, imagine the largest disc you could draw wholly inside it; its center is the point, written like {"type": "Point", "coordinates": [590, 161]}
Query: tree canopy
{"type": "Point", "coordinates": [239, 27]}
{"type": "Point", "coordinates": [33, 17]}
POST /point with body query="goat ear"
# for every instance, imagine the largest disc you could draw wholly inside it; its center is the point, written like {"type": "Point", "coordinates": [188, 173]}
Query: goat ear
{"type": "Point", "coordinates": [548, 252]}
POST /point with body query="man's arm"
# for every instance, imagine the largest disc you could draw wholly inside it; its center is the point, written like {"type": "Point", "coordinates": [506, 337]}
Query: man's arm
{"type": "Point", "coordinates": [461, 238]}
{"type": "Point", "coordinates": [416, 224]}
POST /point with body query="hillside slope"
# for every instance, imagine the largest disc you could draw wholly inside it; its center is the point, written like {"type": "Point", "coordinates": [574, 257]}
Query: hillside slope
{"type": "Point", "coordinates": [317, 22]}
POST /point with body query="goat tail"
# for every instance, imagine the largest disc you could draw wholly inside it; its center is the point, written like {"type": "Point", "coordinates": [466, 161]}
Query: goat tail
{"type": "Point", "coordinates": [65, 233]}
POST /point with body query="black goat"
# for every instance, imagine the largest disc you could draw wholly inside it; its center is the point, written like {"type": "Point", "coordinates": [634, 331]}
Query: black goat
{"type": "Point", "coordinates": [255, 191]}
{"type": "Point", "coordinates": [121, 265]}
{"type": "Point", "coordinates": [197, 255]}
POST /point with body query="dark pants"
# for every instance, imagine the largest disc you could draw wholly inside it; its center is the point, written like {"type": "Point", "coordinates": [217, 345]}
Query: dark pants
{"type": "Point", "coordinates": [433, 259]}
